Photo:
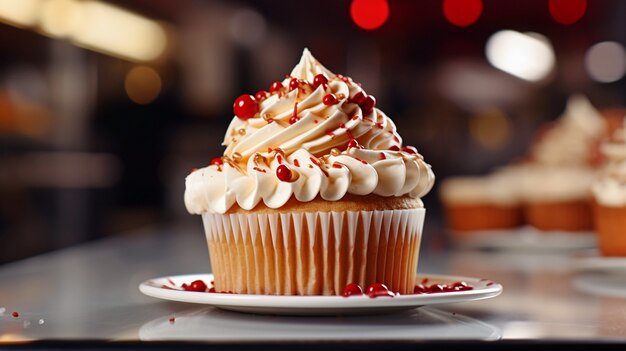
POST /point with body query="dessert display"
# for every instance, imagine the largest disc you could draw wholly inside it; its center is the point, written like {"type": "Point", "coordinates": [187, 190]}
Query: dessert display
{"type": "Point", "coordinates": [609, 193]}
{"type": "Point", "coordinates": [549, 191]}
{"type": "Point", "coordinates": [481, 203]}
{"type": "Point", "coordinates": [315, 191]}
{"type": "Point", "coordinates": [557, 184]}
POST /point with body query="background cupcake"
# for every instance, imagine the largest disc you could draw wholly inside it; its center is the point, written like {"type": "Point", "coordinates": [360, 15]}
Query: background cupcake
{"type": "Point", "coordinates": [314, 191]}
{"type": "Point", "coordinates": [609, 191]}
{"type": "Point", "coordinates": [556, 186]}
{"type": "Point", "coordinates": [482, 203]}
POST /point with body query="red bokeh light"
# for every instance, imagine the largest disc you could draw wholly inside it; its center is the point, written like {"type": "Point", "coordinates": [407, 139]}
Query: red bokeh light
{"type": "Point", "coordinates": [369, 14]}
{"type": "Point", "coordinates": [567, 11]}
{"type": "Point", "coordinates": [462, 13]}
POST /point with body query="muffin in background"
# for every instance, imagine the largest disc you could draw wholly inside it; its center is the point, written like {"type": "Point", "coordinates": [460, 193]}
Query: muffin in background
{"type": "Point", "coordinates": [557, 181]}
{"type": "Point", "coordinates": [482, 202]}
{"type": "Point", "coordinates": [558, 198]}
{"type": "Point", "coordinates": [609, 193]}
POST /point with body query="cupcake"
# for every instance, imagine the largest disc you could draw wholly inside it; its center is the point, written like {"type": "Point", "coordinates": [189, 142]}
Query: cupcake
{"type": "Point", "coordinates": [609, 193]}
{"type": "Point", "coordinates": [314, 191]}
{"type": "Point", "coordinates": [482, 203]}
{"type": "Point", "coordinates": [558, 198]}
{"type": "Point", "coordinates": [556, 184]}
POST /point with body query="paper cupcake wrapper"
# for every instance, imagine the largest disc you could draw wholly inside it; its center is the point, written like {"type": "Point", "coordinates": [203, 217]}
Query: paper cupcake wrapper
{"type": "Point", "coordinates": [313, 253]}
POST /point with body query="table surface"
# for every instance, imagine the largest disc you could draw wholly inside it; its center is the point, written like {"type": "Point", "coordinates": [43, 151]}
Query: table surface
{"type": "Point", "coordinates": [90, 292]}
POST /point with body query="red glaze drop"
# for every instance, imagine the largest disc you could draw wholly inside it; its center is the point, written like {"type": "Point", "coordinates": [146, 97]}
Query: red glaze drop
{"type": "Point", "coordinates": [394, 148]}
{"type": "Point", "coordinates": [352, 289]}
{"type": "Point", "coordinates": [217, 161]}
{"type": "Point", "coordinates": [330, 99]}
{"type": "Point", "coordinates": [382, 156]}
{"type": "Point", "coordinates": [368, 104]}
{"type": "Point", "coordinates": [259, 169]}
{"type": "Point", "coordinates": [172, 320]}
{"type": "Point", "coordinates": [260, 95]}
{"type": "Point", "coordinates": [276, 86]}
{"type": "Point", "coordinates": [283, 173]}
{"type": "Point", "coordinates": [319, 80]}
{"type": "Point", "coordinates": [15, 314]}
{"type": "Point", "coordinates": [341, 125]}
{"type": "Point", "coordinates": [196, 285]}
{"type": "Point", "coordinates": [353, 144]}
{"type": "Point", "coordinates": [245, 107]}
{"type": "Point", "coordinates": [294, 118]}
{"type": "Point", "coordinates": [296, 163]}
{"type": "Point", "coordinates": [337, 165]}
{"type": "Point", "coordinates": [379, 125]}
{"type": "Point", "coordinates": [269, 120]}
{"type": "Point", "coordinates": [330, 134]}
{"type": "Point", "coordinates": [358, 98]}
{"type": "Point", "coordinates": [410, 150]}
{"type": "Point", "coordinates": [378, 289]}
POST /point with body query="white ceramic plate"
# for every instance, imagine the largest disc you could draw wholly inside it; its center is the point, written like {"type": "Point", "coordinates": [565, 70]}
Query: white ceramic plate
{"type": "Point", "coordinates": [614, 265]}
{"type": "Point", "coordinates": [319, 305]}
{"type": "Point", "coordinates": [528, 239]}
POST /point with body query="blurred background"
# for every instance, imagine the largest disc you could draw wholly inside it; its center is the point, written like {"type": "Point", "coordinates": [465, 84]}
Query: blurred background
{"type": "Point", "coordinates": [105, 106]}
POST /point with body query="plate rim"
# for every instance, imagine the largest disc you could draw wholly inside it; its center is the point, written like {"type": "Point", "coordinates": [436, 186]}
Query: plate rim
{"type": "Point", "coordinates": [149, 288]}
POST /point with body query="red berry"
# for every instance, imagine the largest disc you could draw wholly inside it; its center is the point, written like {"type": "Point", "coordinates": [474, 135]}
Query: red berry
{"type": "Point", "coordinates": [420, 289]}
{"type": "Point", "coordinates": [368, 105]}
{"type": "Point", "coordinates": [319, 80]}
{"type": "Point", "coordinates": [276, 86]}
{"type": "Point", "coordinates": [358, 98]}
{"type": "Point", "coordinates": [283, 173]}
{"type": "Point", "coordinates": [293, 84]}
{"type": "Point", "coordinates": [436, 288]}
{"type": "Point", "coordinates": [196, 285]}
{"type": "Point", "coordinates": [461, 286]}
{"type": "Point", "coordinates": [15, 314]}
{"type": "Point", "coordinates": [217, 161]}
{"type": "Point", "coordinates": [394, 148]}
{"type": "Point", "coordinates": [211, 290]}
{"type": "Point", "coordinates": [260, 95]}
{"type": "Point", "coordinates": [378, 289]}
{"type": "Point", "coordinates": [352, 289]}
{"type": "Point", "coordinates": [410, 149]}
{"type": "Point", "coordinates": [330, 99]}
{"type": "Point", "coordinates": [353, 144]}
{"type": "Point", "coordinates": [245, 107]}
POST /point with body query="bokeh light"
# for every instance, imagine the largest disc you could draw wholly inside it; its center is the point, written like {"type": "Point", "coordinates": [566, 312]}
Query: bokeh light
{"type": "Point", "coordinates": [369, 14]}
{"type": "Point", "coordinates": [567, 11]}
{"type": "Point", "coordinates": [528, 56]}
{"type": "Point", "coordinates": [22, 12]}
{"type": "Point", "coordinates": [462, 13]}
{"type": "Point", "coordinates": [490, 128]}
{"type": "Point", "coordinates": [142, 84]}
{"type": "Point", "coordinates": [606, 61]}
{"type": "Point", "coordinates": [60, 17]}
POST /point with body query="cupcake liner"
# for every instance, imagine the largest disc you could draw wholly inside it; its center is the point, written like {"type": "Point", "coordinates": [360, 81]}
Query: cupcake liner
{"type": "Point", "coordinates": [572, 216]}
{"type": "Point", "coordinates": [313, 253]}
{"type": "Point", "coordinates": [611, 226]}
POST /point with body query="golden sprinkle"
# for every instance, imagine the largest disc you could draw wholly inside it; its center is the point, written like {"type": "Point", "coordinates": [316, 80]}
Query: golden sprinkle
{"type": "Point", "coordinates": [334, 151]}
{"type": "Point", "coordinates": [258, 159]}
{"type": "Point", "coordinates": [236, 156]}
{"type": "Point", "coordinates": [340, 96]}
{"type": "Point", "coordinates": [267, 116]}
{"type": "Point", "coordinates": [241, 131]}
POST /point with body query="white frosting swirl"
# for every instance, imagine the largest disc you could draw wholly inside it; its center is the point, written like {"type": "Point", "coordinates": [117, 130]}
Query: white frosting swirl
{"type": "Point", "coordinates": [609, 189]}
{"type": "Point", "coordinates": [314, 149]}
{"type": "Point", "coordinates": [570, 141]}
